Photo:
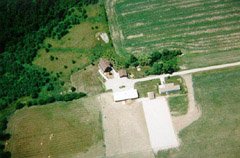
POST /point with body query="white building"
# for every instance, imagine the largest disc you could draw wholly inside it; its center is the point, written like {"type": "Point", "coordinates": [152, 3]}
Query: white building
{"type": "Point", "coordinates": [125, 94]}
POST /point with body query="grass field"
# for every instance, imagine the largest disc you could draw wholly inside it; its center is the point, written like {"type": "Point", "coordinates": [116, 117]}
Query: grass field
{"type": "Point", "coordinates": [61, 129]}
{"type": "Point", "coordinates": [206, 31]}
{"type": "Point", "coordinates": [88, 80]}
{"type": "Point", "coordinates": [77, 49]}
{"type": "Point", "coordinates": [216, 134]}
{"type": "Point", "coordinates": [178, 104]}
{"type": "Point", "coordinates": [147, 86]}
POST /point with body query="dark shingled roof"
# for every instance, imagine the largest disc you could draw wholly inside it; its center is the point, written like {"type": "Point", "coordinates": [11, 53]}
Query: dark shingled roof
{"type": "Point", "coordinates": [104, 65]}
{"type": "Point", "coordinates": [122, 73]}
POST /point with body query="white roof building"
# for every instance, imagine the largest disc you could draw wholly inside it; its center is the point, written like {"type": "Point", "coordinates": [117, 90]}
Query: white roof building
{"type": "Point", "coordinates": [168, 87]}
{"type": "Point", "coordinates": [125, 95]}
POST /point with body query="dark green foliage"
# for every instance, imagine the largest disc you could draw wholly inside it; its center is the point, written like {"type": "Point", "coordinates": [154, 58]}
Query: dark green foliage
{"type": "Point", "coordinates": [50, 87]}
{"type": "Point", "coordinates": [73, 61]}
{"type": "Point", "coordinates": [4, 136]}
{"type": "Point", "coordinates": [65, 66]}
{"type": "Point", "coordinates": [3, 124]}
{"type": "Point", "coordinates": [4, 154]}
{"type": "Point", "coordinates": [51, 58]}
{"type": "Point", "coordinates": [163, 62]}
{"type": "Point", "coordinates": [73, 89]}
{"type": "Point", "coordinates": [2, 146]}
{"type": "Point", "coordinates": [19, 105]}
{"type": "Point", "coordinates": [3, 104]}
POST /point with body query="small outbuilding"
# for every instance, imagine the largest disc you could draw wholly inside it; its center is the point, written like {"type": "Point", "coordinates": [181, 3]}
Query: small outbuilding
{"type": "Point", "coordinates": [105, 65]}
{"type": "Point", "coordinates": [122, 73]}
{"type": "Point", "coordinates": [151, 95]}
{"type": "Point", "coordinates": [169, 87]}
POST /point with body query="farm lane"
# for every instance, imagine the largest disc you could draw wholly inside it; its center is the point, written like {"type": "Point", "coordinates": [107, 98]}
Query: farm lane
{"type": "Point", "coordinates": [117, 82]}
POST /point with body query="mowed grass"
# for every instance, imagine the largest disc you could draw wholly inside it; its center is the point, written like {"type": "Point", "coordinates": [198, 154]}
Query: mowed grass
{"type": "Point", "coordinates": [76, 50]}
{"type": "Point", "coordinates": [61, 129]}
{"type": "Point", "coordinates": [216, 134]}
{"type": "Point", "coordinates": [206, 31]}
{"type": "Point", "coordinates": [178, 104]}
{"type": "Point", "coordinates": [88, 80]}
{"type": "Point", "coordinates": [147, 86]}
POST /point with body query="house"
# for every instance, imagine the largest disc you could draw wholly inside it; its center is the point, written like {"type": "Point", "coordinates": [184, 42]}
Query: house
{"type": "Point", "coordinates": [104, 65]}
{"type": "Point", "coordinates": [125, 95]}
{"type": "Point", "coordinates": [169, 87]}
{"type": "Point", "coordinates": [122, 73]}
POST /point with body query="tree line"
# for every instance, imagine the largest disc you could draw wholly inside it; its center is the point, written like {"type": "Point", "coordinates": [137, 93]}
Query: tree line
{"type": "Point", "coordinates": [24, 24]}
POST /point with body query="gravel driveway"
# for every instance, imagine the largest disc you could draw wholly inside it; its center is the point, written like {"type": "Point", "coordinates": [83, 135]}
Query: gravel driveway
{"type": "Point", "coordinates": [125, 130]}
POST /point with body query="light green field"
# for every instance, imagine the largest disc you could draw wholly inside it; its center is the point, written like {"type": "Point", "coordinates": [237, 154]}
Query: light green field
{"type": "Point", "coordinates": [216, 133]}
{"type": "Point", "coordinates": [178, 104]}
{"type": "Point", "coordinates": [147, 86]}
{"type": "Point", "coordinates": [77, 49]}
{"type": "Point", "coordinates": [88, 81]}
{"type": "Point", "coordinates": [206, 31]}
{"type": "Point", "coordinates": [61, 129]}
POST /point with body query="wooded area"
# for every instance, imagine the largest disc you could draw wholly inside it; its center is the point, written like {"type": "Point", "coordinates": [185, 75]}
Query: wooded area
{"type": "Point", "coordinates": [24, 26]}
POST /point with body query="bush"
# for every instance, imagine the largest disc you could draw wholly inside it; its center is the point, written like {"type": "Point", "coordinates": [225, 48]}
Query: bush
{"type": "Point", "coordinates": [3, 104]}
{"type": "Point", "coordinates": [4, 154]}
{"type": "Point", "coordinates": [73, 89]}
{"type": "Point", "coordinates": [19, 105]}
{"type": "Point", "coordinates": [4, 136]}
{"type": "Point", "coordinates": [3, 124]}
{"type": "Point", "coordinates": [35, 95]}
{"type": "Point", "coordinates": [51, 58]}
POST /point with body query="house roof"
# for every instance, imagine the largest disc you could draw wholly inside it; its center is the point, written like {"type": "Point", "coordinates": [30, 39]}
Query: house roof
{"type": "Point", "coordinates": [104, 64]}
{"type": "Point", "coordinates": [125, 95]}
{"type": "Point", "coordinates": [168, 87]}
{"type": "Point", "coordinates": [122, 73]}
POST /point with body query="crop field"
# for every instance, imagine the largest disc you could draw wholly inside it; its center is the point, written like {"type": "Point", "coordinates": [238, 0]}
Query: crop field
{"type": "Point", "coordinates": [216, 133]}
{"type": "Point", "coordinates": [61, 129]}
{"type": "Point", "coordinates": [208, 32]}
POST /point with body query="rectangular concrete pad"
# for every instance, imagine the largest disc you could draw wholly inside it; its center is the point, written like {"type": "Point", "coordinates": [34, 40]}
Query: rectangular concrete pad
{"type": "Point", "coordinates": [159, 124]}
{"type": "Point", "coordinates": [125, 130]}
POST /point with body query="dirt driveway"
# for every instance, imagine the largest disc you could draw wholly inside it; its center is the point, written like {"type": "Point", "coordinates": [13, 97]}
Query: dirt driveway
{"type": "Point", "coordinates": [125, 130]}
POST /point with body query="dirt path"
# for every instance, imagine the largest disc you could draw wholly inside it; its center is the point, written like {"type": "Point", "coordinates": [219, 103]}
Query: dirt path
{"type": "Point", "coordinates": [193, 113]}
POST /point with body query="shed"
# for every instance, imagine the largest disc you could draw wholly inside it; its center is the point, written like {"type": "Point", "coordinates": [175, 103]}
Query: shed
{"type": "Point", "coordinates": [105, 65]}
{"type": "Point", "coordinates": [151, 95]}
{"type": "Point", "coordinates": [125, 95]}
{"type": "Point", "coordinates": [169, 87]}
{"type": "Point", "coordinates": [122, 73]}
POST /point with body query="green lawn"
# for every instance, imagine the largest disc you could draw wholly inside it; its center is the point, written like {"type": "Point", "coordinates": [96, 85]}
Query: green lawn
{"type": "Point", "coordinates": [178, 104]}
{"type": "Point", "coordinates": [77, 49]}
{"type": "Point", "coordinates": [88, 80]}
{"type": "Point", "coordinates": [206, 31]}
{"type": "Point", "coordinates": [61, 129]}
{"type": "Point", "coordinates": [216, 133]}
{"type": "Point", "coordinates": [147, 86]}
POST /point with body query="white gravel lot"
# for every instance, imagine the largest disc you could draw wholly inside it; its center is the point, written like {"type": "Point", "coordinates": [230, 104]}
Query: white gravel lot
{"type": "Point", "coordinates": [125, 130]}
{"type": "Point", "coordinates": [159, 124]}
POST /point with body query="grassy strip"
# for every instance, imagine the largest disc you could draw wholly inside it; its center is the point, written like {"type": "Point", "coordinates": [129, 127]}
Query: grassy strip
{"type": "Point", "coordinates": [147, 86]}
{"type": "Point", "coordinates": [178, 104]}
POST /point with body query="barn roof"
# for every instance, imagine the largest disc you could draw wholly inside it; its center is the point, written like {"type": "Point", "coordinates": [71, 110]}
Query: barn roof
{"type": "Point", "coordinates": [104, 64]}
{"type": "Point", "coordinates": [125, 95]}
